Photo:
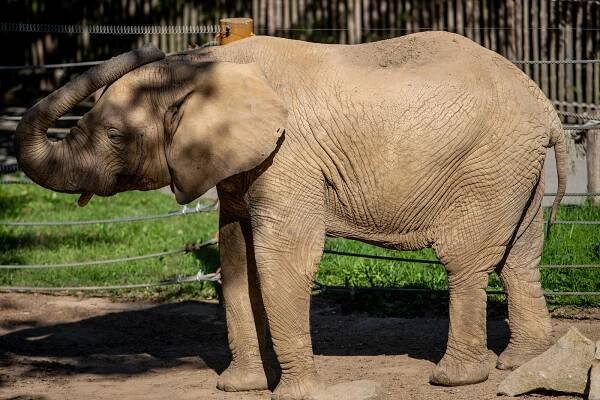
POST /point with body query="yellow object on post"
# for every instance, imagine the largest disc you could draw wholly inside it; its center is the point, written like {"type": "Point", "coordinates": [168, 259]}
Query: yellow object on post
{"type": "Point", "coordinates": [233, 29]}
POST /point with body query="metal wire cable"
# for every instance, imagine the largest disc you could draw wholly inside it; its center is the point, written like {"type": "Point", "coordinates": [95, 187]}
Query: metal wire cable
{"type": "Point", "coordinates": [584, 117]}
{"type": "Point", "coordinates": [51, 66]}
{"type": "Point", "coordinates": [437, 262]}
{"type": "Point", "coordinates": [187, 249]}
{"type": "Point", "coordinates": [534, 62]}
{"type": "Point", "coordinates": [86, 63]}
{"type": "Point", "coordinates": [8, 168]}
{"type": "Point", "coordinates": [561, 103]}
{"type": "Point", "coordinates": [575, 222]}
{"type": "Point", "coordinates": [428, 28]}
{"type": "Point", "coordinates": [16, 182]}
{"type": "Point", "coordinates": [183, 211]}
{"type": "Point", "coordinates": [109, 29]}
{"type": "Point", "coordinates": [64, 118]}
{"type": "Point", "coordinates": [588, 125]}
{"type": "Point", "coordinates": [357, 289]}
{"type": "Point", "coordinates": [376, 257]}
{"type": "Point", "coordinates": [582, 194]}
{"type": "Point", "coordinates": [199, 277]}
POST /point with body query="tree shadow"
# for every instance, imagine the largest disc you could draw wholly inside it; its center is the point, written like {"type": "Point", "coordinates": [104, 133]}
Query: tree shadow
{"type": "Point", "coordinates": [194, 333]}
{"type": "Point", "coordinates": [128, 342]}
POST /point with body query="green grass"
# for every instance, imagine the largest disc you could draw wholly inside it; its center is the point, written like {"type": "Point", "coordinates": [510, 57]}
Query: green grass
{"type": "Point", "coordinates": [46, 245]}
{"type": "Point", "coordinates": [568, 244]}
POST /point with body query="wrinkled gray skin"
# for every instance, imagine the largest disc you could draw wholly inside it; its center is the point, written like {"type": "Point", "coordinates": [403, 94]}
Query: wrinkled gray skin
{"type": "Point", "coordinates": [424, 140]}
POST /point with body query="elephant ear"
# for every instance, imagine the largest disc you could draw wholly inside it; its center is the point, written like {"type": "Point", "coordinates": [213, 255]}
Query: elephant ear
{"type": "Point", "coordinates": [229, 123]}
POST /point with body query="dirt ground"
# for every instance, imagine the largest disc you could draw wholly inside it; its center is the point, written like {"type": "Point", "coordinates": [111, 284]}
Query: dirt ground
{"type": "Point", "coordinates": [58, 347]}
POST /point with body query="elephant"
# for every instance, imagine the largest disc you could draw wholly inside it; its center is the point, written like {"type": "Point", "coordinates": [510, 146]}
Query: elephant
{"type": "Point", "coordinates": [425, 140]}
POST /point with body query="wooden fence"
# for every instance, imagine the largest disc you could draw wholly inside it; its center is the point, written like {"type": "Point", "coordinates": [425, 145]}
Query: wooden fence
{"type": "Point", "coordinates": [517, 29]}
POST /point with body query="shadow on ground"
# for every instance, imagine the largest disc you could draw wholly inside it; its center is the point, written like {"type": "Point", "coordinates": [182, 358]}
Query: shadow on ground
{"type": "Point", "coordinates": [136, 341]}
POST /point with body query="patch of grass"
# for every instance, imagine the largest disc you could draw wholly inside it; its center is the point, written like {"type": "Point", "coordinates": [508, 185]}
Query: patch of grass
{"type": "Point", "coordinates": [47, 245]}
{"type": "Point", "coordinates": [568, 244]}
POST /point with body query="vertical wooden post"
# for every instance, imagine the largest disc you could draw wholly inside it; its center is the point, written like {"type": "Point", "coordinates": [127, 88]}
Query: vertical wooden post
{"type": "Point", "coordinates": [592, 155]}
{"type": "Point", "coordinates": [233, 29]}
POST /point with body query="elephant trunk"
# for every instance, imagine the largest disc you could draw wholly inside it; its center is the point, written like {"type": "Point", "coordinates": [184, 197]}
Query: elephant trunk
{"type": "Point", "coordinates": [54, 164]}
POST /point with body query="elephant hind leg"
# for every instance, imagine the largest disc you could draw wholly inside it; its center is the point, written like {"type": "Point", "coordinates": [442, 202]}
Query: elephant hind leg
{"type": "Point", "coordinates": [470, 250]}
{"type": "Point", "coordinates": [467, 358]}
{"type": "Point", "coordinates": [529, 320]}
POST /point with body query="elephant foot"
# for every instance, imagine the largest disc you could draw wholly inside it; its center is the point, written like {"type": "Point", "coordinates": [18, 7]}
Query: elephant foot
{"type": "Point", "coordinates": [513, 357]}
{"type": "Point", "coordinates": [305, 388]}
{"type": "Point", "coordinates": [451, 371]}
{"type": "Point", "coordinates": [313, 389]}
{"type": "Point", "coordinates": [239, 379]}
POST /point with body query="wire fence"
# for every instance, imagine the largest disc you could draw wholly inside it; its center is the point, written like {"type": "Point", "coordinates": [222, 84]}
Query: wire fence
{"type": "Point", "coordinates": [185, 210]}
{"type": "Point", "coordinates": [183, 250]}
{"type": "Point", "coordinates": [96, 62]}
{"type": "Point", "coordinates": [590, 122]}
{"type": "Point", "coordinates": [109, 29]}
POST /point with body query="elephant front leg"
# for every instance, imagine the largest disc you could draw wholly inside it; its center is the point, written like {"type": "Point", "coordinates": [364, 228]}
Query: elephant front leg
{"type": "Point", "coordinates": [287, 256]}
{"type": "Point", "coordinates": [244, 311]}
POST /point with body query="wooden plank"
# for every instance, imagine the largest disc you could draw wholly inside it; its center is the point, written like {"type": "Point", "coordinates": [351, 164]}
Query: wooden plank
{"type": "Point", "coordinates": [262, 20]}
{"type": "Point", "coordinates": [365, 17]}
{"type": "Point", "coordinates": [501, 32]}
{"type": "Point", "coordinates": [391, 12]}
{"type": "Point", "coordinates": [287, 18]}
{"type": "Point", "coordinates": [278, 16]}
{"type": "Point", "coordinates": [186, 21]}
{"type": "Point", "coordinates": [561, 54]}
{"type": "Point", "coordinates": [543, 44]}
{"type": "Point", "coordinates": [350, 22]}
{"type": "Point", "coordinates": [293, 13]}
{"type": "Point", "coordinates": [519, 31]}
{"type": "Point", "coordinates": [535, 39]}
{"type": "Point", "coordinates": [271, 17]}
{"type": "Point", "coordinates": [415, 16]}
{"type": "Point", "coordinates": [569, 39]}
{"type": "Point", "coordinates": [478, 33]}
{"type": "Point", "coordinates": [593, 162]}
{"type": "Point", "coordinates": [450, 17]}
{"type": "Point", "coordinates": [357, 21]}
{"type": "Point", "coordinates": [469, 18]}
{"type": "Point", "coordinates": [579, 51]}
{"type": "Point", "coordinates": [511, 32]}
{"type": "Point", "coordinates": [589, 53]}
{"type": "Point", "coordinates": [424, 17]}
{"type": "Point", "coordinates": [459, 17]}
{"type": "Point", "coordinates": [552, 46]}
{"type": "Point", "coordinates": [487, 34]}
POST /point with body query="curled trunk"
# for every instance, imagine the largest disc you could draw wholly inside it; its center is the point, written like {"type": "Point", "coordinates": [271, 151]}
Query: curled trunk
{"type": "Point", "coordinates": [54, 164]}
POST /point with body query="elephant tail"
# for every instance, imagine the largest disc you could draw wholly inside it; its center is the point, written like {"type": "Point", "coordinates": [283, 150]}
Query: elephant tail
{"type": "Point", "coordinates": [560, 153]}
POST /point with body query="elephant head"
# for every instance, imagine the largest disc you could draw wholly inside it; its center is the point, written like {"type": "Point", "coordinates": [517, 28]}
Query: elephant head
{"type": "Point", "coordinates": [159, 121]}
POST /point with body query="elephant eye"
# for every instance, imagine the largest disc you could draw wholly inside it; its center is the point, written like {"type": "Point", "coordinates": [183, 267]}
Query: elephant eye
{"type": "Point", "coordinates": [115, 135]}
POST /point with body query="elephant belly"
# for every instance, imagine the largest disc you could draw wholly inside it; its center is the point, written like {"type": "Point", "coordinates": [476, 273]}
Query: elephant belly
{"type": "Point", "coordinates": [379, 223]}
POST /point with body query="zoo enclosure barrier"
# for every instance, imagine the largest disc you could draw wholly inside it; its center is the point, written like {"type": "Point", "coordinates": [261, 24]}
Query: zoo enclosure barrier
{"type": "Point", "coordinates": [591, 122]}
{"type": "Point", "coordinates": [215, 277]}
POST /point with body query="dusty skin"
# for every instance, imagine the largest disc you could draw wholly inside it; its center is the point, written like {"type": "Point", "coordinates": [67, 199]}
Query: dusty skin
{"type": "Point", "coordinates": [54, 347]}
{"type": "Point", "coordinates": [426, 140]}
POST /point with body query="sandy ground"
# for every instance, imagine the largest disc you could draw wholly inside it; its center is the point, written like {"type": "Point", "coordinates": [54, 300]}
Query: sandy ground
{"type": "Point", "coordinates": [56, 347]}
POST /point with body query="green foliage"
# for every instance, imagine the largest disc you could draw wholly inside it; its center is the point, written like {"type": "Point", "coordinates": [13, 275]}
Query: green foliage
{"type": "Point", "coordinates": [568, 244]}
